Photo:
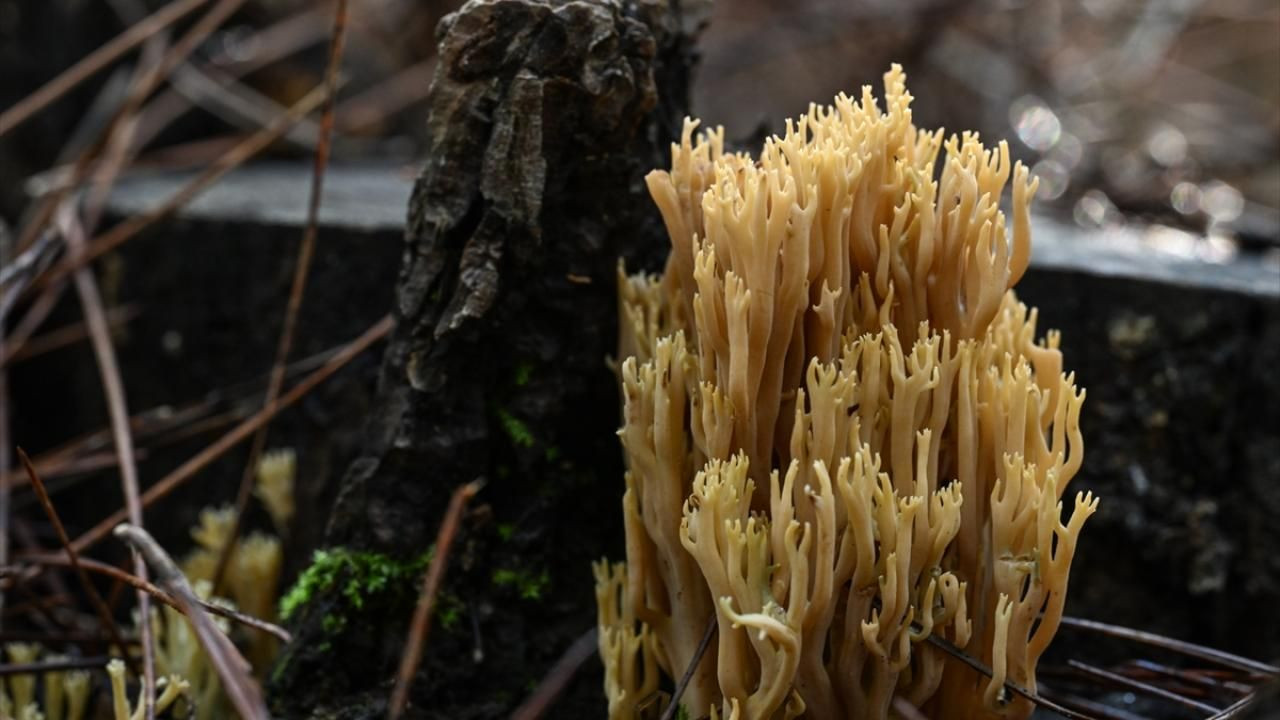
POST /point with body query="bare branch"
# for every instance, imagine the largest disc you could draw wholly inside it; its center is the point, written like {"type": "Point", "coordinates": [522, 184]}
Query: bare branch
{"type": "Point", "coordinates": [426, 601]}
{"type": "Point", "coordinates": [233, 669]}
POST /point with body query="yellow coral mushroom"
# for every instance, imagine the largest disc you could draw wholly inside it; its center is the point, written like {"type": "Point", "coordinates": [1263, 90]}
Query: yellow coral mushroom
{"type": "Point", "coordinates": [171, 688]}
{"type": "Point", "coordinates": [276, 473]}
{"type": "Point", "coordinates": [842, 435]}
{"type": "Point", "coordinates": [22, 686]}
{"type": "Point", "coordinates": [75, 686]}
{"type": "Point", "coordinates": [252, 579]}
{"type": "Point", "coordinates": [66, 692]}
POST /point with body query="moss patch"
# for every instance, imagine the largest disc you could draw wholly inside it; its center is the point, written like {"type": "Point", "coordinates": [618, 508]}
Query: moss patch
{"type": "Point", "coordinates": [448, 611]}
{"type": "Point", "coordinates": [523, 372]}
{"type": "Point", "coordinates": [531, 585]}
{"type": "Point", "coordinates": [516, 429]}
{"type": "Point", "coordinates": [362, 574]}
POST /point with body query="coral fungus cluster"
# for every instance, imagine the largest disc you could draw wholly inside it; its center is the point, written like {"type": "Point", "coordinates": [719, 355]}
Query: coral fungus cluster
{"type": "Point", "coordinates": [842, 435]}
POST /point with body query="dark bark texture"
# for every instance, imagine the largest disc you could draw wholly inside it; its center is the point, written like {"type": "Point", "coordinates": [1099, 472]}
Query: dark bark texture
{"type": "Point", "coordinates": [1181, 445]}
{"type": "Point", "coordinates": [543, 118]}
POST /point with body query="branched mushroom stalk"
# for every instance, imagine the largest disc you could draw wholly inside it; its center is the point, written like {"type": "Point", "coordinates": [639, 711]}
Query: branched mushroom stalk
{"type": "Point", "coordinates": [842, 434]}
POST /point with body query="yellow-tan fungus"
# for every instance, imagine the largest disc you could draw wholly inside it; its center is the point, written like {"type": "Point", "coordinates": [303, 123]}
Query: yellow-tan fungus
{"type": "Point", "coordinates": [842, 434]}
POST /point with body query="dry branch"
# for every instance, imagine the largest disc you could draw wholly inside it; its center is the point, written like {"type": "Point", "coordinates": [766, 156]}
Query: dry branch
{"type": "Point", "coordinates": [431, 582]}
{"type": "Point", "coordinates": [115, 573]}
{"type": "Point", "coordinates": [95, 598]}
{"type": "Point", "coordinates": [233, 669]}
{"type": "Point", "coordinates": [95, 61]}
{"type": "Point", "coordinates": [241, 432]}
{"type": "Point", "coordinates": [122, 436]}
{"type": "Point", "coordinates": [302, 268]}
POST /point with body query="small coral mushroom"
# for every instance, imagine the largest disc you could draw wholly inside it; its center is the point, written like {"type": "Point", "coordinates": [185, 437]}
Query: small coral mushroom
{"type": "Point", "coordinates": [841, 433]}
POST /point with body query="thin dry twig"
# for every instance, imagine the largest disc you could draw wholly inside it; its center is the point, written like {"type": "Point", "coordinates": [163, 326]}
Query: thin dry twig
{"type": "Point", "coordinates": [431, 582]}
{"type": "Point", "coordinates": [372, 106]}
{"type": "Point", "coordinates": [16, 273]}
{"type": "Point", "coordinates": [1037, 699]}
{"type": "Point", "coordinates": [41, 605]}
{"type": "Point", "coordinates": [1179, 646]}
{"type": "Point", "coordinates": [120, 129]}
{"type": "Point", "coordinates": [95, 61]}
{"type": "Point", "coordinates": [302, 268]}
{"type": "Point", "coordinates": [84, 453]}
{"type": "Point", "coordinates": [237, 104]}
{"type": "Point", "coordinates": [177, 55]}
{"type": "Point", "coordinates": [557, 679]}
{"type": "Point", "coordinates": [1186, 680]}
{"type": "Point", "coordinates": [63, 473]}
{"type": "Point", "coordinates": [1234, 709]}
{"type": "Point", "coordinates": [46, 666]}
{"type": "Point", "coordinates": [116, 143]}
{"type": "Point", "coordinates": [161, 425]}
{"type": "Point", "coordinates": [127, 229]}
{"type": "Point", "coordinates": [1099, 710]}
{"type": "Point", "coordinates": [69, 334]}
{"type": "Point", "coordinates": [674, 705]}
{"type": "Point", "coordinates": [115, 573]}
{"type": "Point", "coordinates": [233, 669]}
{"type": "Point", "coordinates": [122, 436]}
{"type": "Point", "coordinates": [91, 639]}
{"type": "Point", "coordinates": [241, 432]}
{"type": "Point", "coordinates": [1139, 686]}
{"type": "Point", "coordinates": [31, 321]}
{"type": "Point", "coordinates": [271, 44]}
{"type": "Point", "coordinates": [26, 538]}
{"type": "Point", "coordinates": [118, 147]}
{"type": "Point", "coordinates": [5, 242]}
{"type": "Point", "coordinates": [95, 598]}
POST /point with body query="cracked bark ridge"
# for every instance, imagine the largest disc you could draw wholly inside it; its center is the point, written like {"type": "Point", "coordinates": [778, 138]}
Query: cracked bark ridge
{"type": "Point", "coordinates": [543, 118]}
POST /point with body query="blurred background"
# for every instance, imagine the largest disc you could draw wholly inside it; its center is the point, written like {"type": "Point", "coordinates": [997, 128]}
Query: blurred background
{"type": "Point", "coordinates": [1163, 112]}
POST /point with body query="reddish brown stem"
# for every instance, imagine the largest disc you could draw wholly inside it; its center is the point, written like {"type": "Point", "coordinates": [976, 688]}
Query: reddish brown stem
{"type": "Point", "coordinates": [431, 582]}
{"type": "Point", "coordinates": [232, 668]}
{"type": "Point", "coordinates": [302, 268]}
{"type": "Point", "coordinates": [94, 62]}
{"type": "Point", "coordinates": [95, 317]}
{"type": "Point", "coordinates": [557, 679]}
{"type": "Point", "coordinates": [126, 230]}
{"type": "Point", "coordinates": [239, 433]}
{"type": "Point", "coordinates": [133, 581]}
{"type": "Point", "coordinates": [95, 599]}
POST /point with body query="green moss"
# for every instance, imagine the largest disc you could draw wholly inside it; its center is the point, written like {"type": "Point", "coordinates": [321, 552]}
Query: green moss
{"type": "Point", "coordinates": [506, 531]}
{"type": "Point", "coordinates": [362, 574]}
{"type": "Point", "coordinates": [520, 434]}
{"type": "Point", "coordinates": [529, 584]}
{"type": "Point", "coordinates": [552, 453]}
{"type": "Point", "coordinates": [280, 667]}
{"type": "Point", "coordinates": [449, 611]}
{"type": "Point", "coordinates": [523, 372]}
{"type": "Point", "coordinates": [333, 623]}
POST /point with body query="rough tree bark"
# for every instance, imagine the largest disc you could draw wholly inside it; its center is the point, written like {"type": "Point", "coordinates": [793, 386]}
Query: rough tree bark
{"type": "Point", "coordinates": [543, 118]}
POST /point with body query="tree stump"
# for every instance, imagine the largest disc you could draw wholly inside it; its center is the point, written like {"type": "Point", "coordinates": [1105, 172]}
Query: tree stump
{"type": "Point", "coordinates": [543, 118]}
